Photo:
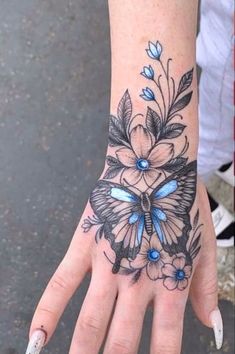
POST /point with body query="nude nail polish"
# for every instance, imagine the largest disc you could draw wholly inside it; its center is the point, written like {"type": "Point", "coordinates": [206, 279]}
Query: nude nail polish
{"type": "Point", "coordinates": [36, 342]}
{"type": "Point", "coordinates": [217, 324]}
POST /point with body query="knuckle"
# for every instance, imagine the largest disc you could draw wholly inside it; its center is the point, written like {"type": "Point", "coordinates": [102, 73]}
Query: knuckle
{"type": "Point", "coordinates": [170, 324]}
{"type": "Point", "coordinates": [208, 288]}
{"type": "Point", "coordinates": [89, 323]}
{"type": "Point", "coordinates": [174, 307]}
{"type": "Point", "coordinates": [211, 288]}
{"type": "Point", "coordinates": [120, 347]}
{"type": "Point", "coordinates": [61, 280]}
{"type": "Point", "coordinates": [171, 346]}
{"type": "Point", "coordinates": [46, 312]}
{"type": "Point", "coordinates": [166, 350]}
{"type": "Point", "coordinates": [101, 294]}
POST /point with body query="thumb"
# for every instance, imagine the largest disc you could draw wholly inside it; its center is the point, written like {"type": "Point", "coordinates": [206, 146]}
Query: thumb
{"type": "Point", "coordinates": [204, 289]}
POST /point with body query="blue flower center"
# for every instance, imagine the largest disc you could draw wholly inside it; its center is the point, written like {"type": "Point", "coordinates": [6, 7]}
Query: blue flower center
{"type": "Point", "coordinates": [142, 164]}
{"type": "Point", "coordinates": [153, 255]}
{"type": "Point", "coordinates": [180, 274]}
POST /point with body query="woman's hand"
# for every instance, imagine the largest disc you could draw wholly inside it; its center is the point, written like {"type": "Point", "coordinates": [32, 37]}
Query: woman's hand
{"type": "Point", "coordinates": [147, 237]}
{"type": "Point", "coordinates": [146, 233]}
{"type": "Point", "coordinates": [117, 298]}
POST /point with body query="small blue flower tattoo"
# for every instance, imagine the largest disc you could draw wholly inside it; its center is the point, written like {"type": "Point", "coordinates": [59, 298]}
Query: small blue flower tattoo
{"type": "Point", "coordinates": [155, 50]}
{"type": "Point", "coordinates": [148, 94]}
{"type": "Point", "coordinates": [148, 72]}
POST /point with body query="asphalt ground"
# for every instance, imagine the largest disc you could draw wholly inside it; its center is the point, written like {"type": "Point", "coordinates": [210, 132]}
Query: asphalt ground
{"type": "Point", "coordinates": [54, 105]}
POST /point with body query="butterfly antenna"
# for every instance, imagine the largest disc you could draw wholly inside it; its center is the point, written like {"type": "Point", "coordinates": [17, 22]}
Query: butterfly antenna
{"type": "Point", "coordinates": [132, 186]}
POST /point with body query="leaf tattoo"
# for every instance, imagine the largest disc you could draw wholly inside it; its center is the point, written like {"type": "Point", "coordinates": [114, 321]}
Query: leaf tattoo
{"type": "Point", "coordinates": [125, 109]}
{"type": "Point", "coordinates": [153, 122]}
{"type": "Point", "coordinates": [180, 104]}
{"type": "Point", "coordinates": [171, 131]}
{"type": "Point", "coordinates": [185, 82]}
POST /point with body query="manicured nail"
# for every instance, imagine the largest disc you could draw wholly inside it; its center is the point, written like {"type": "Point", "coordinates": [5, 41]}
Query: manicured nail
{"type": "Point", "coordinates": [217, 324]}
{"type": "Point", "coordinates": [36, 342]}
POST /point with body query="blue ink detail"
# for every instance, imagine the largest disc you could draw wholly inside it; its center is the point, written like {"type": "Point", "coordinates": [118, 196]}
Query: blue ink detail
{"type": "Point", "coordinates": [148, 94]}
{"type": "Point", "coordinates": [148, 72]}
{"type": "Point", "coordinates": [122, 195]}
{"type": "Point", "coordinates": [153, 255]}
{"type": "Point", "coordinates": [180, 274]}
{"type": "Point", "coordinates": [142, 164]}
{"type": "Point", "coordinates": [133, 218]}
{"type": "Point", "coordinates": [154, 51]}
{"type": "Point", "coordinates": [159, 214]}
{"type": "Point", "coordinates": [167, 189]}
{"type": "Point", "coordinates": [157, 227]}
{"type": "Point", "coordinates": [140, 229]}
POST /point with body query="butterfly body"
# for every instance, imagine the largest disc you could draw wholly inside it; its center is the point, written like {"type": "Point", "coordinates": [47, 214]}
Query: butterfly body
{"type": "Point", "coordinates": [146, 209]}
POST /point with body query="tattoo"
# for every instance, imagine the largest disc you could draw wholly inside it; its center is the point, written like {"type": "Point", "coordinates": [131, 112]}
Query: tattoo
{"type": "Point", "coordinates": [146, 215]}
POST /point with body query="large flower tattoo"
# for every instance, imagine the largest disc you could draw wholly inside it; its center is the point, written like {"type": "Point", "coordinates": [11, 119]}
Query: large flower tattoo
{"type": "Point", "coordinates": [176, 274]}
{"type": "Point", "coordinates": [151, 257]}
{"type": "Point", "coordinates": [144, 157]}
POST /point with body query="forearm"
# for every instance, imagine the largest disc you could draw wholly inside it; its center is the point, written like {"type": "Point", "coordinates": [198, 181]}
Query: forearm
{"type": "Point", "coordinates": [173, 24]}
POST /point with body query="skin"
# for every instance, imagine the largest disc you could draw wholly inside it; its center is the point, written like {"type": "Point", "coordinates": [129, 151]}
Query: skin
{"type": "Point", "coordinates": [108, 310]}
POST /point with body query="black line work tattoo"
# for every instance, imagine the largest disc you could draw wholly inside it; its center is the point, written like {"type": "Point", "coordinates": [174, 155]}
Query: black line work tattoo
{"type": "Point", "coordinates": [146, 215]}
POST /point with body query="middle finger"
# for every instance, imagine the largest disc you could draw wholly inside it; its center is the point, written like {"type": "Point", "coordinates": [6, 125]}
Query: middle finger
{"type": "Point", "coordinates": [125, 331]}
{"type": "Point", "coordinates": [95, 313]}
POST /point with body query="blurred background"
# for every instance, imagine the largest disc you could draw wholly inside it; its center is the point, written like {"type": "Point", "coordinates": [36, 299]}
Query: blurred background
{"type": "Point", "coordinates": [54, 105]}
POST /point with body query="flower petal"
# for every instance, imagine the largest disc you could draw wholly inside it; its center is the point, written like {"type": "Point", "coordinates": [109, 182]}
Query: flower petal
{"type": "Point", "coordinates": [182, 284]}
{"type": "Point", "coordinates": [169, 270]}
{"type": "Point", "coordinates": [153, 49]}
{"type": "Point", "coordinates": [179, 262]}
{"type": "Point", "coordinates": [188, 271]}
{"type": "Point", "coordinates": [154, 270]}
{"type": "Point", "coordinates": [170, 283]}
{"type": "Point", "coordinates": [150, 176]}
{"type": "Point", "coordinates": [155, 243]}
{"type": "Point", "coordinates": [161, 154]}
{"type": "Point", "coordinates": [126, 157]}
{"type": "Point", "coordinates": [150, 54]}
{"type": "Point", "coordinates": [141, 141]}
{"type": "Point", "coordinates": [131, 175]}
{"type": "Point", "coordinates": [159, 48]}
{"type": "Point", "coordinates": [139, 262]}
{"type": "Point", "coordinates": [144, 246]}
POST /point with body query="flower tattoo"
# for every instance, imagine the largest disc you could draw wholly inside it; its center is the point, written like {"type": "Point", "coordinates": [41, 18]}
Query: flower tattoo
{"type": "Point", "coordinates": [143, 204]}
{"type": "Point", "coordinates": [151, 257]}
{"type": "Point", "coordinates": [144, 157]}
{"type": "Point", "coordinates": [154, 51]}
{"type": "Point", "coordinates": [176, 274]}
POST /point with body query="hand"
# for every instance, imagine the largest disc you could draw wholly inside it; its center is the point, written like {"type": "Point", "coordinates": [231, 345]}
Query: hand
{"type": "Point", "coordinates": [146, 235]}
{"type": "Point", "coordinates": [107, 290]}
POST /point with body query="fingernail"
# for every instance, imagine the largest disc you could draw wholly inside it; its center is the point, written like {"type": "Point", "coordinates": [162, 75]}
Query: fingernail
{"type": "Point", "coordinates": [36, 342]}
{"type": "Point", "coordinates": [217, 324]}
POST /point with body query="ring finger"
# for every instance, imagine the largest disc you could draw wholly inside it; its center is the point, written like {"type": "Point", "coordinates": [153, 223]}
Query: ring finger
{"type": "Point", "coordinates": [168, 319]}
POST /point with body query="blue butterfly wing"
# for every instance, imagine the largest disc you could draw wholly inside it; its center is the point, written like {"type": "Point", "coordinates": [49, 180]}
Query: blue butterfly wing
{"type": "Point", "coordinates": [120, 210]}
{"type": "Point", "coordinates": [171, 203]}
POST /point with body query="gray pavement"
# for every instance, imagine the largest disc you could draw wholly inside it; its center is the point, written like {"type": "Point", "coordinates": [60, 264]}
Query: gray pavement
{"type": "Point", "coordinates": [54, 104]}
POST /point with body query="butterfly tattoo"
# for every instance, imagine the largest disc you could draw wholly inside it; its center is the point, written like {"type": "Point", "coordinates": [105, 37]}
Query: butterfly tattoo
{"type": "Point", "coordinates": [149, 228]}
{"type": "Point", "coordinates": [164, 212]}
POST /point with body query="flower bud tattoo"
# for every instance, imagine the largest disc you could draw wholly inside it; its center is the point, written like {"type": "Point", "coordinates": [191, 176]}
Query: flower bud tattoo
{"type": "Point", "coordinates": [145, 213]}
